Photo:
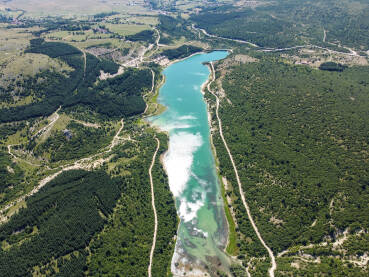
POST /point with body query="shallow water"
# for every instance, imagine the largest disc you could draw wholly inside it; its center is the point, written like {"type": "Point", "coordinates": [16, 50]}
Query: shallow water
{"type": "Point", "coordinates": [190, 165]}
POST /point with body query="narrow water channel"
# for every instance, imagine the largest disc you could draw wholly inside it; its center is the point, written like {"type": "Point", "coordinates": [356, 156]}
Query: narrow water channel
{"type": "Point", "coordinates": [189, 162]}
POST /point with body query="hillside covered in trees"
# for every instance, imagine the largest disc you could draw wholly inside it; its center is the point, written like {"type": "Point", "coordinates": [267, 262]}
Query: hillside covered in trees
{"type": "Point", "coordinates": [298, 136]}
{"type": "Point", "coordinates": [290, 23]}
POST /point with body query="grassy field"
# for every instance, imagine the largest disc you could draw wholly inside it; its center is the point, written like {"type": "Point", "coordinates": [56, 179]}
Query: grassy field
{"type": "Point", "coordinates": [13, 40]}
{"type": "Point", "coordinates": [29, 64]}
{"type": "Point", "coordinates": [14, 63]}
{"type": "Point", "coordinates": [126, 29]}
{"type": "Point", "coordinates": [69, 36]}
{"type": "Point", "coordinates": [143, 20]}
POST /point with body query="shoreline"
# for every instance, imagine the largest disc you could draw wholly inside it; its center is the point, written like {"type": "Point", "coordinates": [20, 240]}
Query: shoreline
{"type": "Point", "coordinates": [178, 255]}
{"type": "Point", "coordinates": [227, 212]}
{"type": "Point", "coordinates": [204, 51]}
{"type": "Point", "coordinates": [154, 101]}
{"type": "Point", "coordinates": [213, 150]}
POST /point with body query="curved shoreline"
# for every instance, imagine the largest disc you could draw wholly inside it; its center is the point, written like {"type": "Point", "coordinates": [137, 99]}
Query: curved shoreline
{"type": "Point", "coordinates": [270, 252]}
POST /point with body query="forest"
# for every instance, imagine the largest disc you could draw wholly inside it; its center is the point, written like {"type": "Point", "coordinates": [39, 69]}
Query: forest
{"type": "Point", "coordinates": [332, 66]}
{"type": "Point", "coordinates": [265, 31]}
{"type": "Point", "coordinates": [82, 141]}
{"type": "Point", "coordinates": [117, 97]}
{"type": "Point", "coordinates": [289, 23]}
{"type": "Point", "coordinates": [123, 248]}
{"type": "Point", "coordinates": [9, 129]}
{"type": "Point", "coordinates": [145, 35]}
{"type": "Point", "coordinates": [60, 219]}
{"type": "Point", "coordinates": [181, 52]}
{"type": "Point", "coordinates": [297, 135]}
{"type": "Point", "coordinates": [175, 27]}
{"type": "Point", "coordinates": [10, 173]}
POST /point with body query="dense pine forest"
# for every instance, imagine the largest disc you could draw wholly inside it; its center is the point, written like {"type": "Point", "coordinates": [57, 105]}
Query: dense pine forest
{"type": "Point", "coordinates": [132, 224]}
{"type": "Point", "coordinates": [60, 219]}
{"type": "Point", "coordinates": [297, 136]}
{"type": "Point", "coordinates": [181, 52]}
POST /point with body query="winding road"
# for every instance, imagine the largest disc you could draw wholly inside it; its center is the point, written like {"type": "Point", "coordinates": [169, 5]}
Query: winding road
{"type": "Point", "coordinates": [156, 41]}
{"type": "Point", "coordinates": [153, 207]}
{"type": "Point", "coordinates": [270, 252]}
{"type": "Point", "coordinates": [352, 52]}
{"type": "Point", "coordinates": [230, 39]}
{"type": "Point", "coordinates": [17, 158]}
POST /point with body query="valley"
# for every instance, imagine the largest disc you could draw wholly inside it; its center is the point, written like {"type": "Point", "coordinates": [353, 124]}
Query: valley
{"type": "Point", "coordinates": [184, 138]}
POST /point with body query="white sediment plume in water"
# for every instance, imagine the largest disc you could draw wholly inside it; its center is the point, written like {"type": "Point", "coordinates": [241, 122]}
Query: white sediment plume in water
{"type": "Point", "coordinates": [180, 122]}
{"type": "Point", "coordinates": [205, 234]}
{"type": "Point", "coordinates": [177, 125]}
{"type": "Point", "coordinates": [196, 87]}
{"type": "Point", "coordinates": [188, 209]}
{"type": "Point", "coordinates": [187, 117]}
{"type": "Point", "coordinates": [179, 158]}
{"type": "Point", "coordinates": [202, 182]}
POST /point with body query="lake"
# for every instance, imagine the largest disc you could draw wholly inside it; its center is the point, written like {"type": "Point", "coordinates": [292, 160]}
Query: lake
{"type": "Point", "coordinates": [190, 165]}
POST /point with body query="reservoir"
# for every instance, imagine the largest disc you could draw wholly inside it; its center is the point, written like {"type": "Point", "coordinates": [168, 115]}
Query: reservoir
{"type": "Point", "coordinates": [190, 165]}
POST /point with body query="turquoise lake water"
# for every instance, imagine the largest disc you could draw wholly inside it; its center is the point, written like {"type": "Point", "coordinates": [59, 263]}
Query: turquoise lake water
{"type": "Point", "coordinates": [190, 164]}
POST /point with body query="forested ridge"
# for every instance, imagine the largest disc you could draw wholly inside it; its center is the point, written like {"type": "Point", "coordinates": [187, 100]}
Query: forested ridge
{"type": "Point", "coordinates": [181, 52]}
{"type": "Point", "coordinates": [133, 223]}
{"type": "Point", "coordinates": [61, 218]}
{"type": "Point", "coordinates": [95, 223]}
{"type": "Point", "coordinates": [174, 28]}
{"type": "Point", "coordinates": [265, 31]}
{"type": "Point", "coordinates": [121, 96]}
{"type": "Point", "coordinates": [290, 23]}
{"type": "Point", "coordinates": [297, 136]}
